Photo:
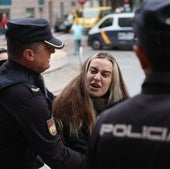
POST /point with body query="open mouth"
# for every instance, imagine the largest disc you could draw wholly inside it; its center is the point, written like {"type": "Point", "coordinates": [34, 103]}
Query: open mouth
{"type": "Point", "coordinates": [95, 85]}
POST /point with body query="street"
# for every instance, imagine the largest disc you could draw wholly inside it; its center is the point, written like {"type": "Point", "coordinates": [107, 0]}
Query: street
{"type": "Point", "coordinates": [127, 60]}
{"type": "Point", "coordinates": [57, 79]}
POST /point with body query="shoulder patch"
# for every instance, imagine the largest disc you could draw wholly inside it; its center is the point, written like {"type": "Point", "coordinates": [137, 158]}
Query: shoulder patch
{"type": "Point", "coordinates": [35, 89]}
{"type": "Point", "coordinates": [51, 126]}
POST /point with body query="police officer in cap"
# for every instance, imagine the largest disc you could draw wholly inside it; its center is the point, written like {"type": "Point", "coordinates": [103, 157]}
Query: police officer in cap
{"type": "Point", "coordinates": [135, 134]}
{"type": "Point", "coordinates": [27, 127]}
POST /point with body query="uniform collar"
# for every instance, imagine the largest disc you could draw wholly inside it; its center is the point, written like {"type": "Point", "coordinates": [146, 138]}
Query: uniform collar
{"type": "Point", "coordinates": [157, 83]}
{"type": "Point", "coordinates": [12, 73]}
{"type": "Point", "coordinates": [10, 64]}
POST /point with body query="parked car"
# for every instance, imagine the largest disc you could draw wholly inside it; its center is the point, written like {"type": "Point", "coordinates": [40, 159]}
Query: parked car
{"type": "Point", "coordinates": [63, 25]}
{"type": "Point", "coordinates": [112, 31]}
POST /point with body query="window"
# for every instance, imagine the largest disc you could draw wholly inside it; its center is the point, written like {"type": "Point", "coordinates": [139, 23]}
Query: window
{"type": "Point", "coordinates": [41, 2]}
{"type": "Point", "coordinates": [106, 23]}
{"type": "Point", "coordinates": [5, 2]}
{"type": "Point", "coordinates": [30, 13]}
{"type": "Point", "coordinates": [125, 22]}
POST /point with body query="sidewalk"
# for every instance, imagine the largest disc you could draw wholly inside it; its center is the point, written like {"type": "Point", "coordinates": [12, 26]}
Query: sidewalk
{"type": "Point", "coordinates": [2, 41]}
{"type": "Point", "coordinates": [61, 72]}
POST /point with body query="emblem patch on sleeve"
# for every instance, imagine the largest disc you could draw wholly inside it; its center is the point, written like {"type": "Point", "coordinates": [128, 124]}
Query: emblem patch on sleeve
{"type": "Point", "coordinates": [51, 127]}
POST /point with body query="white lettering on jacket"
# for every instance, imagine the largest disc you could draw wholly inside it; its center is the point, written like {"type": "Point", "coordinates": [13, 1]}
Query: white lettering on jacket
{"type": "Point", "coordinates": [154, 133]}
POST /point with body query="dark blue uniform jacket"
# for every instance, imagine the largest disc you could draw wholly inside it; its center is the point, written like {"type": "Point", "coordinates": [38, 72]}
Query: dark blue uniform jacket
{"type": "Point", "coordinates": [135, 134]}
{"type": "Point", "coordinates": [25, 108]}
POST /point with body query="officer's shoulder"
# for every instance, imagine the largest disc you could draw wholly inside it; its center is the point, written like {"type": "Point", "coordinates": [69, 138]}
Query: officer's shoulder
{"type": "Point", "coordinates": [24, 89]}
{"type": "Point", "coordinates": [33, 88]}
{"type": "Point", "coordinates": [118, 102]}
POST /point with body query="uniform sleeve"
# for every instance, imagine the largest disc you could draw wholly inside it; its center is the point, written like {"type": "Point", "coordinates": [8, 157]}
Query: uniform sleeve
{"type": "Point", "coordinates": [30, 110]}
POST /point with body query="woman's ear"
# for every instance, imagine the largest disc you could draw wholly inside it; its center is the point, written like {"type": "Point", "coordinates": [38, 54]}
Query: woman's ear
{"type": "Point", "coordinates": [142, 58]}
{"type": "Point", "coordinates": [28, 55]}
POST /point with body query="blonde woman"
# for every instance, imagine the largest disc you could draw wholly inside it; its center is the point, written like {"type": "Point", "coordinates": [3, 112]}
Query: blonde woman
{"type": "Point", "coordinates": [99, 85]}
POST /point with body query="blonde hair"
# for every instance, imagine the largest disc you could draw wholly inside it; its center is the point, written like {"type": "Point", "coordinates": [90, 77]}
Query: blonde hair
{"type": "Point", "coordinates": [74, 106]}
{"type": "Point", "coordinates": [117, 88]}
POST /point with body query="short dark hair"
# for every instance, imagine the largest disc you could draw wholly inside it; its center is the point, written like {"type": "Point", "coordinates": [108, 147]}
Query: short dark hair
{"type": "Point", "coordinates": [15, 51]}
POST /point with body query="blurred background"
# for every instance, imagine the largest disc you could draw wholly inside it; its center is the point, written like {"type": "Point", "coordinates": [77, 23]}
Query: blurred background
{"type": "Point", "coordinates": [61, 14]}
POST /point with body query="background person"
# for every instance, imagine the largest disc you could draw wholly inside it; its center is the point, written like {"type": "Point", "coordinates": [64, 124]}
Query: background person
{"type": "Point", "coordinates": [99, 84]}
{"type": "Point", "coordinates": [27, 127]}
{"type": "Point", "coordinates": [77, 30]}
{"type": "Point", "coordinates": [135, 134]}
{"type": "Point", "coordinates": [3, 22]}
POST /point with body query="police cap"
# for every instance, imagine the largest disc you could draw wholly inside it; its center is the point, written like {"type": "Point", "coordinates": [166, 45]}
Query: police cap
{"type": "Point", "coordinates": [29, 30]}
{"type": "Point", "coordinates": [152, 20]}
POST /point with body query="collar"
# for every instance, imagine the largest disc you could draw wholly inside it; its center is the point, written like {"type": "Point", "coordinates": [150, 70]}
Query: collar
{"type": "Point", "coordinates": [157, 83]}
{"type": "Point", "coordinates": [12, 73]}
{"type": "Point", "coordinates": [99, 104]}
{"type": "Point", "coordinates": [10, 64]}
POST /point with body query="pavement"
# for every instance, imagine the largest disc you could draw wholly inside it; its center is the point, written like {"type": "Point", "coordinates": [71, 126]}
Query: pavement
{"type": "Point", "coordinates": [60, 73]}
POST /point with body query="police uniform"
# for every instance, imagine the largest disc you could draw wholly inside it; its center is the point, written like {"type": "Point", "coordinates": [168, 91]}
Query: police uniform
{"type": "Point", "coordinates": [135, 134]}
{"type": "Point", "coordinates": [27, 128]}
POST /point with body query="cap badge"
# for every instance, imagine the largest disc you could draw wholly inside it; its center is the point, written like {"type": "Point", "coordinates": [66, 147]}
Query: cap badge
{"type": "Point", "coordinates": [167, 21]}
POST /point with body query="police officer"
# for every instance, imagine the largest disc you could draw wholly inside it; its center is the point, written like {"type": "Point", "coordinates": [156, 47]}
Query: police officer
{"type": "Point", "coordinates": [135, 134]}
{"type": "Point", "coordinates": [27, 127]}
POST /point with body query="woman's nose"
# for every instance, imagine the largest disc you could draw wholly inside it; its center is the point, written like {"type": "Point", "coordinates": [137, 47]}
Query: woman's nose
{"type": "Point", "coordinates": [97, 76]}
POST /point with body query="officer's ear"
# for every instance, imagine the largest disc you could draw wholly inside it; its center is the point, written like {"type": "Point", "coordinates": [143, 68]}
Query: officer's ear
{"type": "Point", "coordinates": [142, 58]}
{"type": "Point", "coordinates": [28, 54]}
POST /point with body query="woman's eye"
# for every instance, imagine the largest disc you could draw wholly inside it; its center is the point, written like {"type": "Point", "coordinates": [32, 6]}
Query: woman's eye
{"type": "Point", "coordinates": [93, 71]}
{"type": "Point", "coordinates": [106, 75]}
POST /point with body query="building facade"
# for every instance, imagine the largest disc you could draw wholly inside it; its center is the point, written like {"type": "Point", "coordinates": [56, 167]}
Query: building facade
{"type": "Point", "coordinates": [49, 9]}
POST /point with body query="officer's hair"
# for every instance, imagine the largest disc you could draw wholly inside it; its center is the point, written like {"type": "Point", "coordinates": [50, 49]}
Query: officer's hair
{"type": "Point", "coordinates": [157, 51]}
{"type": "Point", "coordinates": [15, 51]}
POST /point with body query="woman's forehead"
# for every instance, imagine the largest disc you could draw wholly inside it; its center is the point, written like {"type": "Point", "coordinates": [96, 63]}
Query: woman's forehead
{"type": "Point", "coordinates": [101, 63]}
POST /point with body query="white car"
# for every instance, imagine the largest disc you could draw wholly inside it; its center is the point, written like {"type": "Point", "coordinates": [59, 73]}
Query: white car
{"type": "Point", "coordinates": [113, 31]}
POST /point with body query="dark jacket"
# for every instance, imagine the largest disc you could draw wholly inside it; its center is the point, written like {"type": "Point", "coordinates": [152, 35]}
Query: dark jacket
{"type": "Point", "coordinates": [25, 111]}
{"type": "Point", "coordinates": [80, 141]}
{"type": "Point", "coordinates": [135, 134]}
{"type": "Point", "coordinates": [76, 142]}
